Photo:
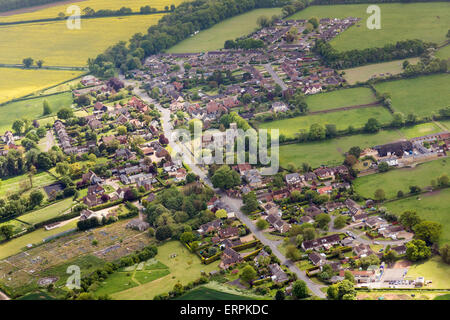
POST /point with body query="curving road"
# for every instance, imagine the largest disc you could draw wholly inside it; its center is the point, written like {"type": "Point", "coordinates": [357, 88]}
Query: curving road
{"type": "Point", "coordinates": [233, 203]}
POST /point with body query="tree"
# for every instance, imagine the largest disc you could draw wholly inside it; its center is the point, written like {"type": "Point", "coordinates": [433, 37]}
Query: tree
{"type": "Point", "coordinates": [323, 220]}
{"type": "Point", "coordinates": [46, 108]}
{"type": "Point", "coordinates": [7, 231]}
{"type": "Point", "coordinates": [27, 62]}
{"type": "Point", "coordinates": [409, 219]}
{"type": "Point", "coordinates": [39, 63]}
{"type": "Point", "coordinates": [36, 198]}
{"type": "Point", "coordinates": [163, 233]}
{"type": "Point", "coordinates": [225, 178]}
{"type": "Point", "coordinates": [82, 100]}
{"type": "Point", "coordinates": [221, 214]}
{"type": "Point", "coordinates": [299, 289]}
{"type": "Point", "coordinates": [355, 151]}
{"type": "Point", "coordinates": [292, 253]}
{"type": "Point", "coordinates": [372, 125]}
{"type": "Point", "coordinates": [343, 290]}
{"type": "Point", "coordinates": [65, 113]}
{"type": "Point", "coordinates": [428, 231]}
{"type": "Point", "coordinates": [317, 132]}
{"type": "Point", "coordinates": [340, 222]}
{"type": "Point", "coordinates": [383, 167]}
{"type": "Point", "coordinates": [18, 126]}
{"type": "Point", "coordinates": [414, 189]}
{"type": "Point", "coordinates": [279, 295]}
{"type": "Point", "coordinates": [314, 21]}
{"type": "Point", "coordinates": [445, 253]}
{"type": "Point", "coordinates": [248, 273]}
{"type": "Point", "coordinates": [417, 250]}
{"type": "Point", "coordinates": [350, 160]}
{"type": "Point", "coordinates": [443, 181]}
{"type": "Point", "coordinates": [349, 276]}
{"type": "Point", "coordinates": [187, 237]}
{"type": "Point", "coordinates": [379, 195]}
{"type": "Point", "coordinates": [262, 224]}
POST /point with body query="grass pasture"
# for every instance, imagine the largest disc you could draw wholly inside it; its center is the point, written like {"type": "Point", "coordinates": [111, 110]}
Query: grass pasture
{"type": "Point", "coordinates": [364, 73]}
{"type": "Point", "coordinates": [31, 109]}
{"type": "Point", "coordinates": [421, 95]}
{"type": "Point", "coordinates": [340, 98]}
{"type": "Point", "coordinates": [330, 152]}
{"type": "Point", "coordinates": [433, 269]}
{"type": "Point", "coordinates": [400, 179]}
{"type": "Point", "coordinates": [444, 53]}
{"type": "Point", "coordinates": [230, 29]}
{"type": "Point", "coordinates": [418, 130]}
{"type": "Point", "coordinates": [16, 83]}
{"type": "Point", "coordinates": [57, 45]}
{"type": "Point", "coordinates": [185, 267]}
{"type": "Point", "coordinates": [47, 213]}
{"type": "Point", "coordinates": [12, 185]}
{"type": "Point", "coordinates": [399, 21]}
{"type": "Point", "coordinates": [432, 206]}
{"type": "Point", "coordinates": [342, 119]}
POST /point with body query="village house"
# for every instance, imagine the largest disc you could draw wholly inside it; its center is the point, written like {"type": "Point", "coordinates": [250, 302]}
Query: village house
{"type": "Point", "coordinates": [278, 275]}
{"type": "Point", "coordinates": [319, 243]}
{"type": "Point", "coordinates": [229, 258]}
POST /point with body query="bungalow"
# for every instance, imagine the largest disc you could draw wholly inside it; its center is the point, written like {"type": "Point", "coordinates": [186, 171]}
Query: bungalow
{"type": "Point", "coordinates": [228, 232]}
{"type": "Point", "coordinates": [96, 190]}
{"type": "Point", "coordinates": [318, 243]}
{"type": "Point", "coordinates": [210, 226]}
{"type": "Point", "coordinates": [292, 178]}
{"type": "Point", "coordinates": [306, 219]}
{"type": "Point", "coordinates": [312, 211]}
{"type": "Point", "coordinates": [362, 250]}
{"type": "Point", "coordinates": [400, 249]}
{"type": "Point", "coordinates": [317, 259]}
{"type": "Point", "coordinates": [278, 275]}
{"type": "Point", "coordinates": [253, 178]}
{"type": "Point", "coordinates": [280, 194]}
{"type": "Point", "coordinates": [361, 276]}
{"type": "Point", "coordinates": [137, 224]}
{"type": "Point", "coordinates": [229, 258]}
{"type": "Point", "coordinates": [279, 107]}
{"type": "Point", "coordinates": [324, 173]}
{"type": "Point", "coordinates": [325, 190]}
{"type": "Point", "coordinates": [90, 178]}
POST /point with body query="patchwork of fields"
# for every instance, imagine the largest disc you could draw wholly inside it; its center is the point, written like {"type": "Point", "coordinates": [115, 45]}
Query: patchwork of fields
{"type": "Point", "coordinates": [399, 21]}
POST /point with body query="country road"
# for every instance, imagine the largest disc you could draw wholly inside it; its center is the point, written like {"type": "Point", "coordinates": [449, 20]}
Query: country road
{"type": "Point", "coordinates": [234, 204]}
{"type": "Point", "coordinates": [275, 76]}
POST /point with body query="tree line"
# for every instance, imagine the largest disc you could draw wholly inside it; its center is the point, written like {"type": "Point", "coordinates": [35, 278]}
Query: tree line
{"type": "Point", "coordinates": [358, 57]}
{"type": "Point", "coordinates": [186, 19]}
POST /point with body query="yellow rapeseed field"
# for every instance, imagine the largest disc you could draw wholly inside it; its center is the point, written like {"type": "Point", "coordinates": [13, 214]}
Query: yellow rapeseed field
{"type": "Point", "coordinates": [52, 11]}
{"type": "Point", "coordinates": [59, 46]}
{"type": "Point", "coordinates": [15, 83]}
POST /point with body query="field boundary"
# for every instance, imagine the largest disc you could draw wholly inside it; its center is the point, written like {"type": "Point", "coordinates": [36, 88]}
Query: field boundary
{"type": "Point", "coordinates": [359, 106]}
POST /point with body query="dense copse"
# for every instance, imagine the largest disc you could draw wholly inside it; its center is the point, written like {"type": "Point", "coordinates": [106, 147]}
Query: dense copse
{"type": "Point", "coordinates": [355, 58]}
{"type": "Point", "coordinates": [171, 29]}
{"type": "Point", "coordinates": [6, 5]}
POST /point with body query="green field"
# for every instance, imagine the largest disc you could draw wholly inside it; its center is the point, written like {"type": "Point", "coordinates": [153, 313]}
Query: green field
{"type": "Point", "coordinates": [205, 293]}
{"type": "Point", "coordinates": [364, 73]}
{"type": "Point", "coordinates": [340, 98]}
{"type": "Point", "coordinates": [425, 21]}
{"type": "Point", "coordinates": [11, 185]}
{"type": "Point", "coordinates": [16, 245]}
{"type": "Point", "coordinates": [230, 29]}
{"type": "Point", "coordinates": [444, 53]}
{"type": "Point", "coordinates": [421, 95]}
{"type": "Point", "coordinates": [342, 119]}
{"type": "Point", "coordinates": [400, 179]}
{"type": "Point", "coordinates": [31, 109]}
{"type": "Point", "coordinates": [433, 207]}
{"type": "Point", "coordinates": [185, 267]}
{"type": "Point", "coordinates": [443, 297]}
{"type": "Point", "coordinates": [331, 152]}
{"type": "Point", "coordinates": [434, 269]}
{"type": "Point", "coordinates": [47, 213]}
{"type": "Point", "coordinates": [422, 129]}
{"type": "Point", "coordinates": [16, 83]}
